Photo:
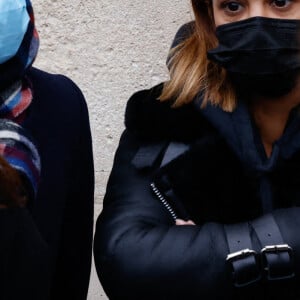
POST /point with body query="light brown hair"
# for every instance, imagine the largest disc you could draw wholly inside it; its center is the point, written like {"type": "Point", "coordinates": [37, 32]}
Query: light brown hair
{"type": "Point", "coordinates": [191, 72]}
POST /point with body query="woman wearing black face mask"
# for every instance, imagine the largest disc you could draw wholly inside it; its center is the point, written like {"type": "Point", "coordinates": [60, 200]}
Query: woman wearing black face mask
{"type": "Point", "coordinates": [220, 153]}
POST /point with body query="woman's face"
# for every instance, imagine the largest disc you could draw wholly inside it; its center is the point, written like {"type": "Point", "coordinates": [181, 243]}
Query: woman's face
{"type": "Point", "coordinates": [226, 11]}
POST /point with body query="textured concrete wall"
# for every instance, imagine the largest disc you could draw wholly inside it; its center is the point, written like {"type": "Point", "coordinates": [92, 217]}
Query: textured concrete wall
{"type": "Point", "coordinates": [110, 49]}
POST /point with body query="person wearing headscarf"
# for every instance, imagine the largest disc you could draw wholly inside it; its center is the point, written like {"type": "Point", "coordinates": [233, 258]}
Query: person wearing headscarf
{"type": "Point", "coordinates": [46, 171]}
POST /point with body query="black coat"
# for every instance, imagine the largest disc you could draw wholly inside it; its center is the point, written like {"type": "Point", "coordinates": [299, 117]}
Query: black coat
{"type": "Point", "coordinates": [140, 254]}
{"type": "Point", "coordinates": [46, 249]}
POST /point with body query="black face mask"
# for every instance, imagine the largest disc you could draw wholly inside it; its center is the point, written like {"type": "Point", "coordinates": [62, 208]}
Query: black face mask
{"type": "Point", "coordinates": [261, 55]}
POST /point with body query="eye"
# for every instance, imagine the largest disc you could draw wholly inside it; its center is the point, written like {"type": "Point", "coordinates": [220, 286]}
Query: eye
{"type": "Point", "coordinates": [231, 6]}
{"type": "Point", "coordinates": [281, 3]}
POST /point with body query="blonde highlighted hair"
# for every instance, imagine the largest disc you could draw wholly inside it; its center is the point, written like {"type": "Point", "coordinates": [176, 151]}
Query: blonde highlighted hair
{"type": "Point", "coordinates": [191, 72]}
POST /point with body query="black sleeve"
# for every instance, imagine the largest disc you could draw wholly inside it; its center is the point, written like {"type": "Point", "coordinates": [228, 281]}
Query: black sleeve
{"type": "Point", "coordinates": [24, 257]}
{"type": "Point", "coordinates": [140, 254]}
{"type": "Point", "coordinates": [288, 221]}
{"type": "Point", "coordinates": [75, 252]}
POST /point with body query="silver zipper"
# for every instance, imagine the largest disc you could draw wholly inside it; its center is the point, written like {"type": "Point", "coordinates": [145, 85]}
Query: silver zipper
{"type": "Point", "coordinates": [163, 200]}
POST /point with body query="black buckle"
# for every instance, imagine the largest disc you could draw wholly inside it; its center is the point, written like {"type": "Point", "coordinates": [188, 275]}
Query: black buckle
{"type": "Point", "coordinates": [286, 266]}
{"type": "Point", "coordinates": [243, 276]}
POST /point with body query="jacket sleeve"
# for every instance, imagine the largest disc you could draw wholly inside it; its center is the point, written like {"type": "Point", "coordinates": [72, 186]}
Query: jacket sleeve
{"type": "Point", "coordinates": [140, 254]}
{"type": "Point", "coordinates": [73, 268]}
{"type": "Point", "coordinates": [24, 257]}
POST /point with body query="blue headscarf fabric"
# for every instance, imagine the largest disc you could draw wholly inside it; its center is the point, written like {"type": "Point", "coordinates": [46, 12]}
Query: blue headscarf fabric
{"type": "Point", "coordinates": [15, 68]}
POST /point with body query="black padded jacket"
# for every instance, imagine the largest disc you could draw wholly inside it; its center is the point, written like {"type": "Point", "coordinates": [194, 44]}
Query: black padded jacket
{"type": "Point", "coordinates": [46, 249]}
{"type": "Point", "coordinates": [176, 163]}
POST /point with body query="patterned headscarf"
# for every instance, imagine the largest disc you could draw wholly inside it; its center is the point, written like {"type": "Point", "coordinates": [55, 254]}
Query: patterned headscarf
{"type": "Point", "coordinates": [19, 150]}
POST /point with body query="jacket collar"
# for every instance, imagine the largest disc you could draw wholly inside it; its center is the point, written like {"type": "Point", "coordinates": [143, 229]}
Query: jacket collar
{"type": "Point", "coordinates": [148, 118]}
{"type": "Point", "coordinates": [152, 120]}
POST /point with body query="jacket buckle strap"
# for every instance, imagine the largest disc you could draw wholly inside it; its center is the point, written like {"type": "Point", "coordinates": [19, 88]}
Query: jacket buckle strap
{"type": "Point", "coordinates": [277, 256]}
{"type": "Point", "coordinates": [245, 267]}
{"type": "Point", "coordinates": [278, 261]}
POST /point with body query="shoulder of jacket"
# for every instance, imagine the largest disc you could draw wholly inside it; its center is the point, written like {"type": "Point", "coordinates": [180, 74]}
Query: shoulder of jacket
{"type": "Point", "coordinates": [57, 84]}
{"type": "Point", "coordinates": [62, 91]}
{"type": "Point", "coordinates": [148, 117]}
{"type": "Point", "coordinates": [57, 95]}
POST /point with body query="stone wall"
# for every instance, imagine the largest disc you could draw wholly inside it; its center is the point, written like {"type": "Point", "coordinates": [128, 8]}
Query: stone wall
{"type": "Point", "coordinates": [110, 49]}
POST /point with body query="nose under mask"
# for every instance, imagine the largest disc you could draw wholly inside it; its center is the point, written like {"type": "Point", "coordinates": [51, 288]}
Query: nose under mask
{"type": "Point", "coordinates": [261, 55]}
